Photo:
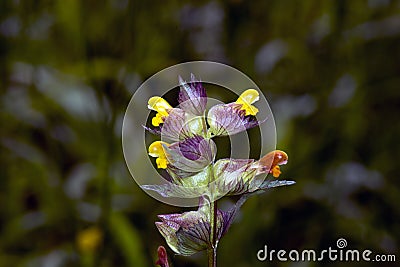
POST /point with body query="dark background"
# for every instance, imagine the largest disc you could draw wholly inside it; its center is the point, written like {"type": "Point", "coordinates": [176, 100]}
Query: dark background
{"type": "Point", "coordinates": [330, 70]}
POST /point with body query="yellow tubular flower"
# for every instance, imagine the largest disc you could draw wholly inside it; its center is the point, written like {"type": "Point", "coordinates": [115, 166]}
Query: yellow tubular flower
{"type": "Point", "coordinates": [156, 150]}
{"type": "Point", "coordinates": [246, 99]}
{"type": "Point", "coordinates": [160, 105]}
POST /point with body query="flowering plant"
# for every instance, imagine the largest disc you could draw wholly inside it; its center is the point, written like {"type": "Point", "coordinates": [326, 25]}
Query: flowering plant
{"type": "Point", "coordinates": [187, 153]}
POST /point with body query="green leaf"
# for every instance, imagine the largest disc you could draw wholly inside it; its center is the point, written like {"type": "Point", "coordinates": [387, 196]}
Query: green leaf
{"type": "Point", "coordinates": [128, 239]}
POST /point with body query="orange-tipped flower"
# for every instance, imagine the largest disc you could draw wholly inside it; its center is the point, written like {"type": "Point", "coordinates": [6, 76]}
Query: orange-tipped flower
{"type": "Point", "coordinates": [272, 161]}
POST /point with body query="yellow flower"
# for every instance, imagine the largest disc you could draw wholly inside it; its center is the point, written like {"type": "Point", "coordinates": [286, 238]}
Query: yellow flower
{"type": "Point", "coordinates": [156, 150]}
{"type": "Point", "coordinates": [89, 239]}
{"type": "Point", "coordinates": [246, 99]}
{"type": "Point", "coordinates": [160, 105]}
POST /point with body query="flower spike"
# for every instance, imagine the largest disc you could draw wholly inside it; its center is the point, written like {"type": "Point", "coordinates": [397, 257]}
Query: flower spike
{"type": "Point", "coordinates": [187, 153]}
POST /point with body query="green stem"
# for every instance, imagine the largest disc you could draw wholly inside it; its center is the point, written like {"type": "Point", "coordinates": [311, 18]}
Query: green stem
{"type": "Point", "coordinates": [212, 257]}
{"type": "Point", "coordinates": [204, 124]}
{"type": "Point", "coordinates": [212, 251]}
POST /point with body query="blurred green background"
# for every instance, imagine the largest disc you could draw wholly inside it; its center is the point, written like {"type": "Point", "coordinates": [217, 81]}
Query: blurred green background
{"type": "Point", "coordinates": [330, 69]}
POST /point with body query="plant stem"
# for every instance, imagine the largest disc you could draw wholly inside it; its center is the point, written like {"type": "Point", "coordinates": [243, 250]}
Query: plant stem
{"type": "Point", "coordinates": [212, 257]}
{"type": "Point", "coordinates": [204, 124]}
{"type": "Point", "coordinates": [212, 251]}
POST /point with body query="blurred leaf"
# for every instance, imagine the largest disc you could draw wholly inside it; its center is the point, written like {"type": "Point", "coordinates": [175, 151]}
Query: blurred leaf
{"type": "Point", "coordinates": [128, 239]}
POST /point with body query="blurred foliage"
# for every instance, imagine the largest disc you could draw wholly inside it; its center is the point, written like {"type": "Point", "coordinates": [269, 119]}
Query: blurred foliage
{"type": "Point", "coordinates": [330, 69]}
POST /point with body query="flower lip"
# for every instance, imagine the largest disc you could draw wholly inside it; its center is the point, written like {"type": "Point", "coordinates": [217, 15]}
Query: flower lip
{"type": "Point", "coordinates": [276, 171]}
